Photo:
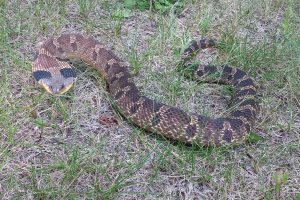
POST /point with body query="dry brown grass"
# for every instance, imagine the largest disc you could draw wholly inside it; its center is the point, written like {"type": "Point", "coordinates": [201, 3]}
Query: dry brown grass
{"type": "Point", "coordinates": [55, 148]}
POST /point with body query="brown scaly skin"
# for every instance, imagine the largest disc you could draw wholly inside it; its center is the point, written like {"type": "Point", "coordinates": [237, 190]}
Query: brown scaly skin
{"type": "Point", "coordinates": [56, 76]}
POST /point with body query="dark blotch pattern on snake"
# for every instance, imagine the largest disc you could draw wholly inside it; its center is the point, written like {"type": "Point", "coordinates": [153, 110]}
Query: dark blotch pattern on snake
{"type": "Point", "coordinates": [57, 76]}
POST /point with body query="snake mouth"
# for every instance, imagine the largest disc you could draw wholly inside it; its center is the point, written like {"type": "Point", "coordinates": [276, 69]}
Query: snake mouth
{"type": "Point", "coordinates": [64, 89]}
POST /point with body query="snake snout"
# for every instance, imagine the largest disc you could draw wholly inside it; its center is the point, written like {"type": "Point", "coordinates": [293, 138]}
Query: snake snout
{"type": "Point", "coordinates": [57, 90]}
{"type": "Point", "coordinates": [58, 84]}
{"type": "Point", "coordinates": [61, 87]}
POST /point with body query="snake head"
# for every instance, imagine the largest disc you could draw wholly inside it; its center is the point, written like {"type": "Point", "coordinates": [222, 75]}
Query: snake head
{"type": "Point", "coordinates": [57, 84]}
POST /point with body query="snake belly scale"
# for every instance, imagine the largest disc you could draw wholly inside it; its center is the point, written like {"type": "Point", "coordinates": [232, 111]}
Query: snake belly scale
{"type": "Point", "coordinates": [52, 72]}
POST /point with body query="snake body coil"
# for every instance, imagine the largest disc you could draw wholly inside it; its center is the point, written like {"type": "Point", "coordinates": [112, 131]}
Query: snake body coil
{"type": "Point", "coordinates": [57, 76]}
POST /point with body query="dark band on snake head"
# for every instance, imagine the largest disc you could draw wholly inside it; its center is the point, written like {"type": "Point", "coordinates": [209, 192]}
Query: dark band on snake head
{"type": "Point", "coordinates": [68, 72]}
{"type": "Point", "coordinates": [41, 74]}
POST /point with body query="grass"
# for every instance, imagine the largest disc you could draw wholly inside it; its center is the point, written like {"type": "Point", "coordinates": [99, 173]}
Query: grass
{"type": "Point", "coordinates": [55, 148]}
